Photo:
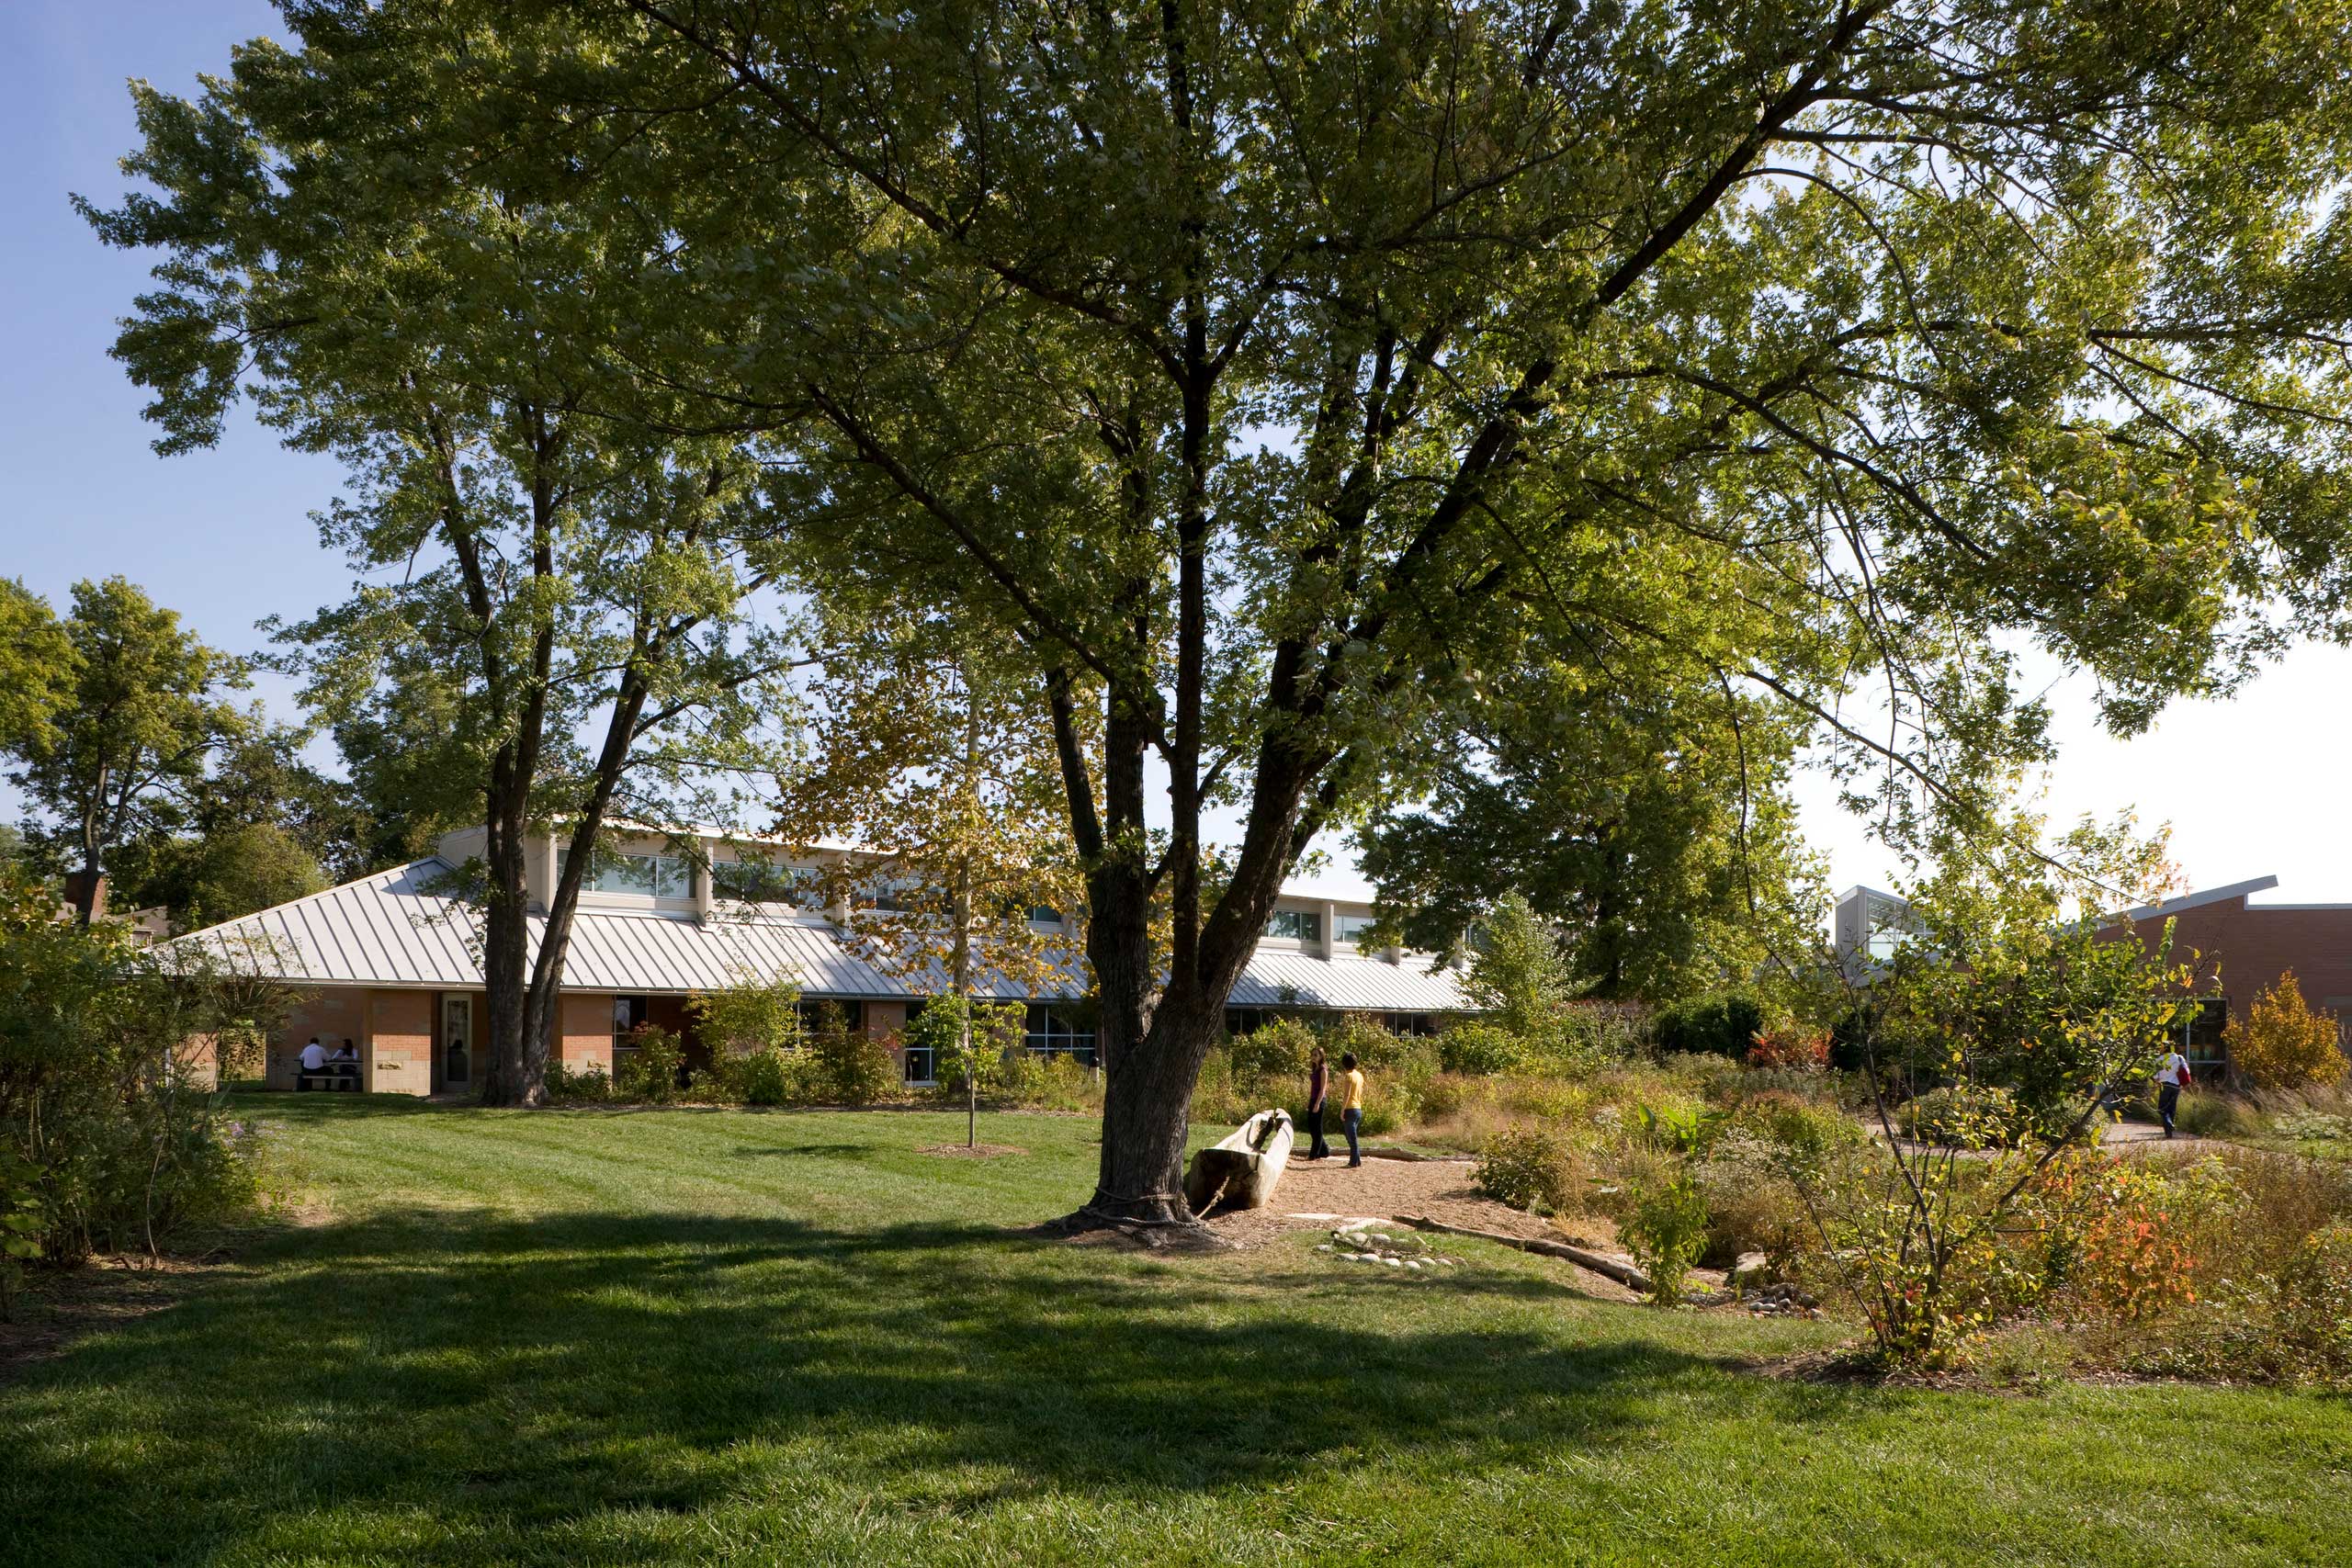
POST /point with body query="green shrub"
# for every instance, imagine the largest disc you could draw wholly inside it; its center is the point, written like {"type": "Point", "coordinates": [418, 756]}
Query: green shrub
{"type": "Point", "coordinates": [23, 1217]}
{"type": "Point", "coordinates": [1662, 1219]}
{"type": "Point", "coordinates": [650, 1071]}
{"type": "Point", "coordinates": [1379, 1049]}
{"type": "Point", "coordinates": [117, 1148]}
{"type": "Point", "coordinates": [590, 1083]}
{"type": "Point", "coordinates": [1723, 1025]}
{"type": "Point", "coordinates": [1528, 1168]}
{"type": "Point", "coordinates": [764, 1077]}
{"type": "Point", "coordinates": [1059, 1083]}
{"type": "Point", "coordinates": [748, 1015]}
{"type": "Point", "coordinates": [846, 1068]}
{"type": "Point", "coordinates": [1279, 1049]}
{"type": "Point", "coordinates": [1475, 1047]}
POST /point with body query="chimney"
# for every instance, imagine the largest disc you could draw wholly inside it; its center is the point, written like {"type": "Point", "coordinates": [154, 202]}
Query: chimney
{"type": "Point", "coordinates": [86, 891]}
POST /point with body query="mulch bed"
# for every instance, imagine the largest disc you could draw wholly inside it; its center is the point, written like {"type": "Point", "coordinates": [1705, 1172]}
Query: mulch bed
{"type": "Point", "coordinates": [969, 1151]}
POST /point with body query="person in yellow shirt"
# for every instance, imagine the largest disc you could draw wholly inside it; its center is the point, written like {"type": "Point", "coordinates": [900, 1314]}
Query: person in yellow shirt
{"type": "Point", "coordinates": [1351, 1107]}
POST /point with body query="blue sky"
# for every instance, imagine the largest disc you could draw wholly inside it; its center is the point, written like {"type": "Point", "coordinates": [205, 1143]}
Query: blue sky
{"type": "Point", "coordinates": [223, 537]}
{"type": "Point", "coordinates": [2253, 786]}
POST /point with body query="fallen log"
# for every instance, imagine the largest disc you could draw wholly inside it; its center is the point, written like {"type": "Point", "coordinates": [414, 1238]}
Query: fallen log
{"type": "Point", "coordinates": [1611, 1268]}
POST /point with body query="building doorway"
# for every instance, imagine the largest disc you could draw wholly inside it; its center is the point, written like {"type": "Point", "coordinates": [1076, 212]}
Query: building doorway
{"type": "Point", "coordinates": [457, 1042]}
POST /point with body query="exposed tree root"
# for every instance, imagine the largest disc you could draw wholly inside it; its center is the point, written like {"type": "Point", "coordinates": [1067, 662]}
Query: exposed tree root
{"type": "Point", "coordinates": [1156, 1224]}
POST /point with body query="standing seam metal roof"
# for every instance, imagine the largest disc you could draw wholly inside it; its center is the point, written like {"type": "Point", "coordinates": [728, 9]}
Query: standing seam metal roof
{"type": "Point", "coordinates": [399, 928]}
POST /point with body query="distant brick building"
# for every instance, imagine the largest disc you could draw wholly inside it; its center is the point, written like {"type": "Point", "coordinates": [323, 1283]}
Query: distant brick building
{"type": "Point", "coordinates": [2242, 949]}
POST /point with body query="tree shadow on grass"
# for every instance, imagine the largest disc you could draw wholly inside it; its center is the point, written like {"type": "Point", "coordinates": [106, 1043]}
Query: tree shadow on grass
{"type": "Point", "coordinates": [501, 1376]}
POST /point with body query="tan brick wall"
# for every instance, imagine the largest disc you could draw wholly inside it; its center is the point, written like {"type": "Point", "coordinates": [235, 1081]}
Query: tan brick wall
{"type": "Point", "coordinates": [886, 1021]}
{"type": "Point", "coordinates": [400, 1042]}
{"type": "Point", "coordinates": [584, 1030]}
{"type": "Point", "coordinates": [334, 1015]}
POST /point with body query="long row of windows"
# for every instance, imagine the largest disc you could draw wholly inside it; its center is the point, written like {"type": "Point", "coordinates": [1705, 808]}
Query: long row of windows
{"type": "Point", "coordinates": [745, 881]}
{"type": "Point", "coordinates": [654, 877]}
{"type": "Point", "coordinates": [757, 882]}
{"type": "Point", "coordinates": [1248, 1020]}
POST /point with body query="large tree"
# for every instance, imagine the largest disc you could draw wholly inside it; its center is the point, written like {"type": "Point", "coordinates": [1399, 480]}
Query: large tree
{"type": "Point", "coordinates": [125, 758]}
{"type": "Point", "coordinates": [1293, 372]}
{"type": "Point", "coordinates": [564, 600]}
{"type": "Point", "coordinates": [1285, 373]}
{"type": "Point", "coordinates": [1648, 820]}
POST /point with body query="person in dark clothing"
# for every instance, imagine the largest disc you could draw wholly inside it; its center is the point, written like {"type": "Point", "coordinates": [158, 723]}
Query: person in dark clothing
{"type": "Point", "coordinates": [1318, 1083]}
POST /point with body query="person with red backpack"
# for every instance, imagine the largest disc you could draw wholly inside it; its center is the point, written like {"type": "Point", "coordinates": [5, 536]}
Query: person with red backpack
{"type": "Point", "coordinates": [2170, 1075]}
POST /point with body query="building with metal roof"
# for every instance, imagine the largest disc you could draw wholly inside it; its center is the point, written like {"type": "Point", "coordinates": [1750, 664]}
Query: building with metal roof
{"type": "Point", "coordinates": [392, 963]}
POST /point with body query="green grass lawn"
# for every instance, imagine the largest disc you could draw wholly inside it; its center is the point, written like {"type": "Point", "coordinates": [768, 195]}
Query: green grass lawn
{"type": "Point", "coordinates": [698, 1336]}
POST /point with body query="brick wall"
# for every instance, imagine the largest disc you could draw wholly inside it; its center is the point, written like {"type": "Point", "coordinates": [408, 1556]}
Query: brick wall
{"type": "Point", "coordinates": [886, 1021]}
{"type": "Point", "coordinates": [2247, 949]}
{"type": "Point", "coordinates": [584, 1029]}
{"type": "Point", "coordinates": [198, 1058]}
{"type": "Point", "coordinates": [400, 1047]}
{"type": "Point", "coordinates": [334, 1015]}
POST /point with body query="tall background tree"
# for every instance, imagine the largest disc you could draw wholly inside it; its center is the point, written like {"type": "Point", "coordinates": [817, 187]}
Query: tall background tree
{"type": "Point", "coordinates": [1648, 820]}
{"type": "Point", "coordinates": [568, 598]}
{"type": "Point", "coordinates": [124, 758]}
{"type": "Point", "coordinates": [36, 668]}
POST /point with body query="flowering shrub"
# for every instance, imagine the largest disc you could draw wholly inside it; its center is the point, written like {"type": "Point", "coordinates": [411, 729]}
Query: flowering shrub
{"type": "Point", "coordinates": [1805, 1050]}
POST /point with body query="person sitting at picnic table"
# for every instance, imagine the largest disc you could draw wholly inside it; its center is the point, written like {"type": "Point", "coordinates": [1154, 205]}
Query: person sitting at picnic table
{"type": "Point", "coordinates": [314, 1055]}
{"type": "Point", "coordinates": [346, 1060]}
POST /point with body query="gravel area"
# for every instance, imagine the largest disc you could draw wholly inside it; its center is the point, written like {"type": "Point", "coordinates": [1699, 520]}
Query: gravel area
{"type": "Point", "coordinates": [1437, 1190]}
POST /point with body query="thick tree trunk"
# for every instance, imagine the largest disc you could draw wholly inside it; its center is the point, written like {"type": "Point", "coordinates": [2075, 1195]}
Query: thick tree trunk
{"type": "Point", "coordinates": [506, 948]}
{"type": "Point", "coordinates": [1146, 1114]}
